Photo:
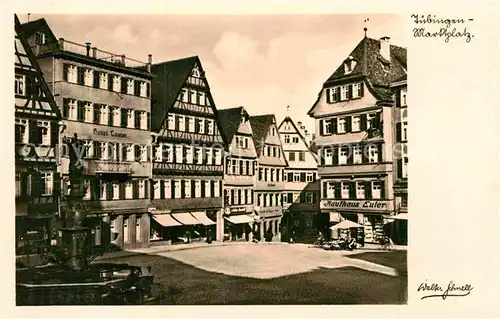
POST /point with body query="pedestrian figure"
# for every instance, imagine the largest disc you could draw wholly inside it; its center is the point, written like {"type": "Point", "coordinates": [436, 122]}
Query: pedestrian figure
{"type": "Point", "coordinates": [209, 236]}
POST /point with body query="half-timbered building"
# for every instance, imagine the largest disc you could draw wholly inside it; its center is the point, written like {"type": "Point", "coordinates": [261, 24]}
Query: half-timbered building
{"type": "Point", "coordinates": [104, 98]}
{"type": "Point", "coordinates": [301, 191]}
{"type": "Point", "coordinates": [36, 153]}
{"type": "Point", "coordinates": [239, 174]}
{"type": "Point", "coordinates": [269, 184]}
{"type": "Point", "coordinates": [188, 153]}
{"type": "Point", "coordinates": [353, 114]}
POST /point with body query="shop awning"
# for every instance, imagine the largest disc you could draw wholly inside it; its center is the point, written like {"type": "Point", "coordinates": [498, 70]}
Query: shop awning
{"type": "Point", "coordinates": [202, 217]}
{"type": "Point", "coordinates": [346, 224]}
{"type": "Point", "coordinates": [186, 219]}
{"type": "Point", "coordinates": [239, 219]}
{"type": "Point", "coordinates": [402, 216]}
{"type": "Point", "coordinates": [335, 217]}
{"type": "Point", "coordinates": [166, 220]}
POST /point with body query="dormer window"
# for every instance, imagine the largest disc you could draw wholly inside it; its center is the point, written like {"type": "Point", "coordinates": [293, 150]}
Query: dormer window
{"type": "Point", "coordinates": [349, 65]}
{"type": "Point", "coordinates": [40, 38]}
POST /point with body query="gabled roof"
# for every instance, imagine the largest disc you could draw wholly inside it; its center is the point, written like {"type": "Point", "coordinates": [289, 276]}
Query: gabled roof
{"type": "Point", "coordinates": [289, 119]}
{"type": "Point", "coordinates": [46, 93]}
{"type": "Point", "coordinates": [29, 28]}
{"type": "Point", "coordinates": [260, 127]}
{"type": "Point", "coordinates": [229, 120]}
{"type": "Point", "coordinates": [370, 65]}
{"type": "Point", "coordinates": [170, 76]}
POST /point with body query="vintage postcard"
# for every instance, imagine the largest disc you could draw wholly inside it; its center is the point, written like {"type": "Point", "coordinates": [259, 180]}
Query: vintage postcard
{"type": "Point", "coordinates": [297, 157]}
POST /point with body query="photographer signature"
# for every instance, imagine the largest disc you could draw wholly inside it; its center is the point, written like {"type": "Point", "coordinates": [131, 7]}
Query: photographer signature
{"type": "Point", "coordinates": [453, 290]}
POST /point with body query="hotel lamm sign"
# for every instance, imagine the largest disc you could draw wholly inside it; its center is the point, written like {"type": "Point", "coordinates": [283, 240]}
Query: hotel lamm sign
{"type": "Point", "coordinates": [358, 205]}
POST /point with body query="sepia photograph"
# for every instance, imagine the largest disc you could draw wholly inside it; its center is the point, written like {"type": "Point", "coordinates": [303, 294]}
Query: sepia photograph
{"type": "Point", "coordinates": [211, 159]}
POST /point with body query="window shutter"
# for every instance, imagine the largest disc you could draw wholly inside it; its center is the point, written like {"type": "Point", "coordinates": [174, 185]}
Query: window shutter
{"type": "Point", "coordinates": [148, 124]}
{"type": "Point", "coordinates": [398, 98]}
{"type": "Point", "coordinates": [146, 188]}
{"type": "Point", "coordinates": [362, 89]}
{"type": "Point", "coordinates": [65, 108]}
{"type": "Point", "coordinates": [352, 190]}
{"type": "Point", "coordinates": [54, 133]}
{"type": "Point", "coordinates": [135, 189]}
{"type": "Point", "coordinates": [176, 122]}
{"type": "Point", "coordinates": [364, 150]}
{"type": "Point", "coordinates": [137, 88]}
{"type": "Point", "coordinates": [348, 121]}
{"type": "Point", "coordinates": [124, 117]}
{"type": "Point", "coordinates": [123, 87]}
{"type": "Point", "coordinates": [33, 132]}
{"type": "Point", "coordinates": [380, 149]}
{"type": "Point", "coordinates": [148, 89]}
{"type": "Point", "coordinates": [350, 155]}
{"type": "Point", "coordinates": [65, 72]}
{"type": "Point", "coordinates": [338, 193]}
{"type": "Point", "coordinates": [121, 188]}
{"type": "Point", "coordinates": [382, 189]}
{"type": "Point", "coordinates": [335, 151]}
{"type": "Point", "coordinates": [290, 177]}
{"type": "Point", "coordinates": [186, 124]}
{"type": "Point", "coordinates": [363, 122]}
{"type": "Point", "coordinates": [334, 126]}
{"type": "Point", "coordinates": [302, 177]}
{"type": "Point", "coordinates": [337, 95]}
{"type": "Point", "coordinates": [289, 198]}
{"type": "Point", "coordinates": [398, 132]}
{"type": "Point", "coordinates": [162, 189]}
{"type": "Point", "coordinates": [110, 115]}
{"type": "Point", "coordinates": [302, 197]}
{"type": "Point", "coordinates": [400, 168]}
{"type": "Point", "coordinates": [152, 189]}
{"type": "Point", "coordinates": [109, 191]}
{"type": "Point", "coordinates": [137, 119]}
{"type": "Point", "coordinates": [203, 188]}
{"type": "Point", "coordinates": [80, 72]}
{"type": "Point", "coordinates": [80, 111]}
{"type": "Point", "coordinates": [110, 82]}
{"type": "Point", "coordinates": [368, 189]}
{"type": "Point", "coordinates": [183, 189]}
{"type": "Point", "coordinates": [96, 79]}
{"type": "Point", "coordinates": [322, 156]}
{"type": "Point", "coordinates": [321, 127]}
{"type": "Point", "coordinates": [94, 189]}
{"type": "Point", "coordinates": [349, 91]}
{"type": "Point", "coordinates": [97, 113]}
{"type": "Point", "coordinates": [193, 189]}
{"type": "Point", "coordinates": [172, 189]}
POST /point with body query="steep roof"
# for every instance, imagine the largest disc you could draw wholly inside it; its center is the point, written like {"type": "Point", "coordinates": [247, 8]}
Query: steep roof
{"type": "Point", "coordinates": [169, 78]}
{"type": "Point", "coordinates": [371, 64]}
{"type": "Point", "coordinates": [29, 28]}
{"type": "Point", "coordinates": [230, 121]}
{"type": "Point", "coordinates": [309, 147]}
{"type": "Point", "coordinates": [260, 127]}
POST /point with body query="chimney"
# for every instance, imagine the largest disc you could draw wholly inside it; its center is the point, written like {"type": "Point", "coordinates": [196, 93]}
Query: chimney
{"type": "Point", "coordinates": [88, 48]}
{"type": "Point", "coordinates": [385, 48]}
{"type": "Point", "coordinates": [150, 61]}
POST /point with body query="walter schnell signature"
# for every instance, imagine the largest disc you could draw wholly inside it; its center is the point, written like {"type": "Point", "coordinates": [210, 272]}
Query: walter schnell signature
{"type": "Point", "coordinates": [445, 27]}
{"type": "Point", "coordinates": [452, 290]}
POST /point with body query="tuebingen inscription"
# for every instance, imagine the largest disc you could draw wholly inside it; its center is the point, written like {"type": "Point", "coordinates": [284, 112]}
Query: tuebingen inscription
{"type": "Point", "coordinates": [441, 27]}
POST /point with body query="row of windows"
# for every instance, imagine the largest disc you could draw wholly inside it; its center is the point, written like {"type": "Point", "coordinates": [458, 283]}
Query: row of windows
{"type": "Point", "coordinates": [344, 92]}
{"type": "Point", "coordinates": [191, 124]}
{"type": "Point", "coordinates": [194, 97]}
{"type": "Point", "coordinates": [301, 156]}
{"type": "Point", "coordinates": [271, 174]}
{"type": "Point", "coordinates": [269, 199]}
{"type": "Point", "coordinates": [349, 124]}
{"type": "Point", "coordinates": [240, 167]}
{"type": "Point", "coordinates": [27, 185]}
{"type": "Point", "coordinates": [347, 155]}
{"type": "Point", "coordinates": [186, 189]}
{"type": "Point", "coordinates": [115, 151]}
{"type": "Point", "coordinates": [272, 151]}
{"type": "Point", "coordinates": [242, 142]}
{"type": "Point", "coordinates": [239, 196]}
{"type": "Point", "coordinates": [98, 79]}
{"type": "Point", "coordinates": [354, 190]}
{"type": "Point", "coordinates": [299, 177]}
{"type": "Point", "coordinates": [293, 140]}
{"type": "Point", "coordinates": [170, 153]}
{"type": "Point", "coordinates": [113, 190]}
{"type": "Point", "coordinates": [34, 131]}
{"type": "Point", "coordinates": [105, 114]}
{"type": "Point", "coordinates": [300, 198]}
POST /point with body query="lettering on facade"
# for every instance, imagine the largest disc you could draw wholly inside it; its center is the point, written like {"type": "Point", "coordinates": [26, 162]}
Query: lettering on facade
{"type": "Point", "coordinates": [361, 204]}
{"type": "Point", "coordinates": [113, 166]}
{"type": "Point", "coordinates": [110, 133]}
{"type": "Point", "coordinates": [238, 209]}
{"type": "Point", "coordinates": [271, 184]}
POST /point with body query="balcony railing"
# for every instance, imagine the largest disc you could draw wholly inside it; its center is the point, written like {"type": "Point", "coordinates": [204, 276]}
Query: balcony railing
{"type": "Point", "coordinates": [89, 51]}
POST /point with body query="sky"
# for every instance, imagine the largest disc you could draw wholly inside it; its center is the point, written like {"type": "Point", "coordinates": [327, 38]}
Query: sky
{"type": "Point", "coordinates": [262, 62]}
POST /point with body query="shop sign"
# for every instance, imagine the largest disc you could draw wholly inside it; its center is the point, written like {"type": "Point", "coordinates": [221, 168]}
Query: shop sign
{"type": "Point", "coordinates": [113, 166]}
{"type": "Point", "coordinates": [111, 133]}
{"type": "Point", "coordinates": [238, 209]}
{"type": "Point", "coordinates": [374, 205]}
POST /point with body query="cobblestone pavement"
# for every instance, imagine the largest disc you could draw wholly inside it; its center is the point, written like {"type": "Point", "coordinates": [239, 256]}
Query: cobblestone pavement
{"type": "Point", "coordinates": [265, 261]}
